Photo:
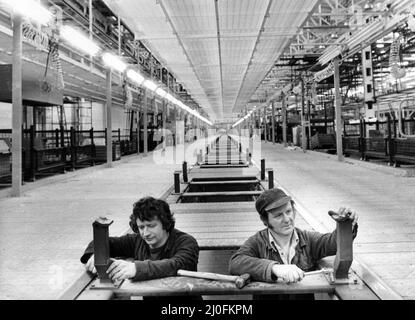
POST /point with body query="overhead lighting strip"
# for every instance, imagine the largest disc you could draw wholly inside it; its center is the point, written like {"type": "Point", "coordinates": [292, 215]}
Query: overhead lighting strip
{"type": "Point", "coordinates": [29, 9]}
{"type": "Point", "coordinates": [36, 12]}
{"type": "Point", "coordinates": [246, 117]}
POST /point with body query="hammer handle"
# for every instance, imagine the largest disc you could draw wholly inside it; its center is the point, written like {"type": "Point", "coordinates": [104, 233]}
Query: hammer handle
{"type": "Point", "coordinates": [206, 275]}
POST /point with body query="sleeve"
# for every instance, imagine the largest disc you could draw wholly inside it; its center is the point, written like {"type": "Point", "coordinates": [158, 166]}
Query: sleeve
{"type": "Point", "coordinates": [185, 256]}
{"type": "Point", "coordinates": [119, 247]}
{"type": "Point", "coordinates": [247, 260]}
{"type": "Point", "coordinates": [323, 245]}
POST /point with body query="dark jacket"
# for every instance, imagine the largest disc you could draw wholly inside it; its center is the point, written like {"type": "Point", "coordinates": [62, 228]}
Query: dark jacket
{"type": "Point", "coordinates": [181, 251]}
{"type": "Point", "coordinates": [256, 256]}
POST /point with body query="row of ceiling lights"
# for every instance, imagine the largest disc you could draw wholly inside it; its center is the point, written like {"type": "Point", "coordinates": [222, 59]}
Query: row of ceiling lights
{"type": "Point", "coordinates": [34, 11]}
{"type": "Point", "coordinates": [244, 118]}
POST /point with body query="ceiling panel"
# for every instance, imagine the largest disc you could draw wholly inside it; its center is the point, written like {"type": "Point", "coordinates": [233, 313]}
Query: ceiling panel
{"type": "Point", "coordinates": [220, 74]}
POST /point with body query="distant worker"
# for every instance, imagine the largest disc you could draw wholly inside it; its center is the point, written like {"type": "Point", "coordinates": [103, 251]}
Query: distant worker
{"type": "Point", "coordinates": [158, 249]}
{"type": "Point", "coordinates": [282, 251]}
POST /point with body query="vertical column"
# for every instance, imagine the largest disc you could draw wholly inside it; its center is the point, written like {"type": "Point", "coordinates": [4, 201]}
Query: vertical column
{"type": "Point", "coordinates": [251, 132]}
{"type": "Point", "coordinates": [367, 73]}
{"type": "Point", "coordinates": [273, 121]}
{"type": "Point", "coordinates": [138, 131]}
{"type": "Point", "coordinates": [119, 37]}
{"type": "Point", "coordinates": [262, 169]}
{"type": "Point", "coordinates": [198, 128]}
{"type": "Point", "coordinates": [177, 181]}
{"type": "Point", "coordinates": [145, 124]}
{"type": "Point", "coordinates": [108, 118]}
{"type": "Point", "coordinates": [184, 171]}
{"type": "Point", "coordinates": [390, 141]}
{"type": "Point", "coordinates": [270, 178]}
{"type": "Point", "coordinates": [258, 123]}
{"type": "Point", "coordinates": [17, 108]}
{"type": "Point", "coordinates": [91, 20]}
{"type": "Point", "coordinates": [309, 124]}
{"type": "Point", "coordinates": [284, 120]}
{"type": "Point", "coordinates": [339, 127]}
{"type": "Point", "coordinates": [155, 114]}
{"type": "Point", "coordinates": [163, 129]}
{"type": "Point", "coordinates": [303, 120]}
{"type": "Point", "coordinates": [184, 133]}
{"type": "Point", "coordinates": [174, 137]}
{"type": "Point", "coordinates": [265, 124]}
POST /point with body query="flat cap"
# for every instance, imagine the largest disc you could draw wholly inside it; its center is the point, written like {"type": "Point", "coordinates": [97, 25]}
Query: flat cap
{"type": "Point", "coordinates": [272, 198]}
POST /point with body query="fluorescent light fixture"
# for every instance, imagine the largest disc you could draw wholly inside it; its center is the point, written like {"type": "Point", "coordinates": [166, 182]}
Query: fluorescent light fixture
{"type": "Point", "coordinates": [238, 122]}
{"type": "Point", "coordinates": [79, 41]}
{"type": "Point", "coordinates": [135, 76]}
{"type": "Point", "coordinates": [114, 62]}
{"type": "Point", "coordinates": [150, 85]}
{"type": "Point", "coordinates": [181, 105]}
{"type": "Point", "coordinates": [161, 92]}
{"type": "Point", "coordinates": [29, 9]}
{"type": "Point", "coordinates": [174, 100]}
{"type": "Point", "coordinates": [169, 97]}
{"type": "Point", "coordinates": [206, 120]}
{"type": "Point", "coordinates": [184, 107]}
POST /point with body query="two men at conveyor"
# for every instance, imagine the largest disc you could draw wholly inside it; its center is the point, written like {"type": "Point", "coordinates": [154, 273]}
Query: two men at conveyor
{"type": "Point", "coordinates": [279, 252]}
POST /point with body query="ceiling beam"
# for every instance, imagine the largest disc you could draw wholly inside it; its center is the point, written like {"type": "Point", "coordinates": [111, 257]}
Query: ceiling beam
{"type": "Point", "coordinates": [220, 54]}
{"type": "Point", "coordinates": [264, 19]}
{"type": "Point", "coordinates": [163, 8]}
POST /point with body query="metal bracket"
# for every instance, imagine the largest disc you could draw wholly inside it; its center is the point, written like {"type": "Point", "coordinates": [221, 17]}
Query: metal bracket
{"type": "Point", "coordinates": [344, 254]}
{"type": "Point", "coordinates": [101, 285]}
{"type": "Point", "coordinates": [102, 249]}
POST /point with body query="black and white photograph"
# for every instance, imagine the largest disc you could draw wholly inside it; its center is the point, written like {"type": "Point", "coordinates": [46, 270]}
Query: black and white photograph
{"type": "Point", "coordinates": [207, 159]}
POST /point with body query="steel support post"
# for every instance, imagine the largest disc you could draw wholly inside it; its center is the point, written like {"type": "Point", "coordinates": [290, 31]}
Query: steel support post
{"type": "Point", "coordinates": [339, 127]}
{"type": "Point", "coordinates": [109, 118]}
{"type": "Point", "coordinates": [17, 111]}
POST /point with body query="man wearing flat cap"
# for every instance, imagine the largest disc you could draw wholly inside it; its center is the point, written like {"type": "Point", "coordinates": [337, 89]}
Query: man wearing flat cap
{"type": "Point", "coordinates": [282, 251]}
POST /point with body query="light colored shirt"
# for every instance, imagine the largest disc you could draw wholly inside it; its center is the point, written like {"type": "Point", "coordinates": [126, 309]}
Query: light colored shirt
{"type": "Point", "coordinates": [291, 252]}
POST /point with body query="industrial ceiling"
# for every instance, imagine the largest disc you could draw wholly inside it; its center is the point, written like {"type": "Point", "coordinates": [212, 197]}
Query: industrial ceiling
{"type": "Point", "coordinates": [220, 49]}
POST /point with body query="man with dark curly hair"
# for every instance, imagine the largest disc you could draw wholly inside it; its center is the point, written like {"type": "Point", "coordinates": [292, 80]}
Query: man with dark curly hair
{"type": "Point", "coordinates": [158, 249]}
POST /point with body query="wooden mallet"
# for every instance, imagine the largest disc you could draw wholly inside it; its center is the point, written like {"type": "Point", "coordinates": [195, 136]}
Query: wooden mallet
{"type": "Point", "coordinates": [240, 281]}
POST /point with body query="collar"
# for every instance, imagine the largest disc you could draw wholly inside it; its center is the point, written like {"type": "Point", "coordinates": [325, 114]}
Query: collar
{"type": "Point", "coordinates": [264, 234]}
{"type": "Point", "coordinates": [289, 253]}
{"type": "Point", "coordinates": [293, 241]}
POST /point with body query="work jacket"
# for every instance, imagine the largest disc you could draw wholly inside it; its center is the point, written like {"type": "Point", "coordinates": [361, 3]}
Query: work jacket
{"type": "Point", "coordinates": [181, 251]}
{"type": "Point", "coordinates": [256, 256]}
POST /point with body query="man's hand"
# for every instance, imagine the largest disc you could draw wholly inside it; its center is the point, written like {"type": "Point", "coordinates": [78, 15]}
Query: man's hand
{"type": "Point", "coordinates": [90, 265]}
{"type": "Point", "coordinates": [288, 272]}
{"type": "Point", "coordinates": [345, 214]}
{"type": "Point", "coordinates": [121, 269]}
